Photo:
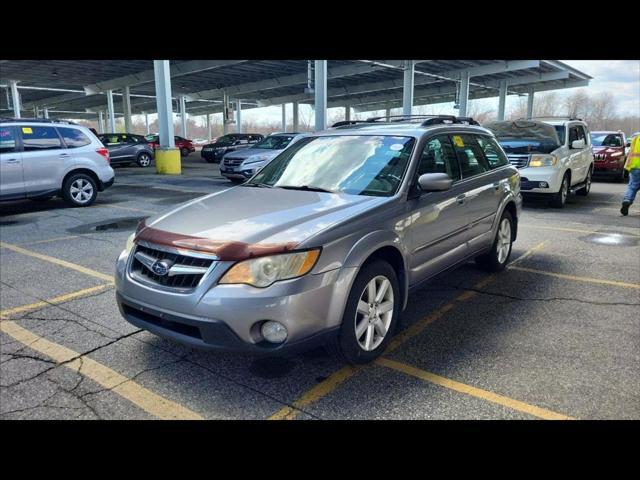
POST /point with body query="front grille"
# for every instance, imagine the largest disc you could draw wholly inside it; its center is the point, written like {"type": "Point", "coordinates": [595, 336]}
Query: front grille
{"type": "Point", "coordinates": [233, 162]}
{"type": "Point", "coordinates": [181, 328]}
{"type": "Point", "coordinates": [599, 157]}
{"type": "Point", "coordinates": [179, 281]}
{"type": "Point", "coordinates": [519, 161]}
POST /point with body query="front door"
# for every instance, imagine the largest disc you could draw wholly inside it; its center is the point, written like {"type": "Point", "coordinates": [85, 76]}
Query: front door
{"type": "Point", "coordinates": [436, 219]}
{"type": "Point", "coordinates": [11, 175]}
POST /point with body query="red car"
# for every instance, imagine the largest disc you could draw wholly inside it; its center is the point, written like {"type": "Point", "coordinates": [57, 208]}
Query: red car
{"type": "Point", "coordinates": [185, 145]}
{"type": "Point", "coordinates": [609, 154]}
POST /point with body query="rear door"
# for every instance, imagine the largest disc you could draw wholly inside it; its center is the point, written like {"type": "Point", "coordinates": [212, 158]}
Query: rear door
{"type": "Point", "coordinates": [438, 225]}
{"type": "Point", "coordinates": [482, 186]}
{"type": "Point", "coordinates": [116, 145]}
{"type": "Point", "coordinates": [11, 175]}
{"type": "Point", "coordinates": [576, 155]}
{"type": "Point", "coordinates": [43, 158]}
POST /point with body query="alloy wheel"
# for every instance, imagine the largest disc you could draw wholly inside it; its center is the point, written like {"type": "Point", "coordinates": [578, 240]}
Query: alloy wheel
{"type": "Point", "coordinates": [374, 313]}
{"type": "Point", "coordinates": [81, 191]}
{"type": "Point", "coordinates": [504, 240]}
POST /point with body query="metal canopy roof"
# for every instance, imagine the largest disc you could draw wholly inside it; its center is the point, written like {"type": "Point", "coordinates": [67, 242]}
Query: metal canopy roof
{"type": "Point", "coordinates": [79, 85]}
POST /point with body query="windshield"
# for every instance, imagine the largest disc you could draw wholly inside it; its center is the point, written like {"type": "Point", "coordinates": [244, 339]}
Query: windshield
{"type": "Point", "coordinates": [606, 139]}
{"type": "Point", "coordinates": [352, 164]}
{"type": "Point", "coordinates": [275, 142]}
{"type": "Point", "coordinates": [526, 145]}
{"type": "Point", "coordinates": [560, 131]}
{"type": "Point", "coordinates": [226, 140]}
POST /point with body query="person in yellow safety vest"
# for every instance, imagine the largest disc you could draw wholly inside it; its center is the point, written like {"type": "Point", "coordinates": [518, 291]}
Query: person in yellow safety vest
{"type": "Point", "coordinates": [633, 166]}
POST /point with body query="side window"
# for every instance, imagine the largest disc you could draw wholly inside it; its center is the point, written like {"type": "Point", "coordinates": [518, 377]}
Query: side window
{"type": "Point", "coordinates": [573, 134]}
{"type": "Point", "coordinates": [470, 156]}
{"type": "Point", "coordinates": [110, 139]}
{"type": "Point", "coordinates": [7, 140]}
{"type": "Point", "coordinates": [438, 157]}
{"type": "Point", "coordinates": [40, 138]}
{"type": "Point", "coordinates": [492, 152]}
{"type": "Point", "coordinates": [73, 138]}
{"type": "Point", "coordinates": [582, 135]}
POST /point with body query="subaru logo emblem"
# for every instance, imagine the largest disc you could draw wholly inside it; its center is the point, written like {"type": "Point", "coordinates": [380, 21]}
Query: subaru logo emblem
{"type": "Point", "coordinates": [161, 267]}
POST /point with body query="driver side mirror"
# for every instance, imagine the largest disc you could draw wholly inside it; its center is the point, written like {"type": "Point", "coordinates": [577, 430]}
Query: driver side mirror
{"type": "Point", "coordinates": [434, 182]}
{"type": "Point", "coordinates": [577, 144]}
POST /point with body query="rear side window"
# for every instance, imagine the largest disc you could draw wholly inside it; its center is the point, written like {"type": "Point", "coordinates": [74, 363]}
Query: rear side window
{"type": "Point", "coordinates": [492, 152]}
{"type": "Point", "coordinates": [438, 156]}
{"type": "Point", "coordinates": [73, 138]}
{"type": "Point", "coordinates": [7, 140]}
{"type": "Point", "coordinates": [40, 138]}
{"type": "Point", "coordinates": [470, 155]}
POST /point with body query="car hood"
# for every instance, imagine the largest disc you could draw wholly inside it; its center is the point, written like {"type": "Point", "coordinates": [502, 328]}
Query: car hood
{"type": "Point", "coordinates": [524, 129]}
{"type": "Point", "coordinates": [250, 152]}
{"type": "Point", "coordinates": [243, 222]}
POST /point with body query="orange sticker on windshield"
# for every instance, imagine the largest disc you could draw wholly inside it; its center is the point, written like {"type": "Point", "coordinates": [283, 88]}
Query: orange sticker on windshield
{"type": "Point", "coordinates": [458, 141]}
{"type": "Point", "coordinates": [27, 130]}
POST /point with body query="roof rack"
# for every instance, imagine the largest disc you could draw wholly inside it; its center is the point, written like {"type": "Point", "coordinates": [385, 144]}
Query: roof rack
{"type": "Point", "coordinates": [38, 120]}
{"type": "Point", "coordinates": [553, 117]}
{"type": "Point", "coordinates": [427, 120]}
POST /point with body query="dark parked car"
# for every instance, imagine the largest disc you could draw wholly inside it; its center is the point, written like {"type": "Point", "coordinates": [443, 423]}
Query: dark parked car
{"type": "Point", "coordinates": [214, 152]}
{"type": "Point", "coordinates": [183, 144]}
{"type": "Point", "coordinates": [127, 148]}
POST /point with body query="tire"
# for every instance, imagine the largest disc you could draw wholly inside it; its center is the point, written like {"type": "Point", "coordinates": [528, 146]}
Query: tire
{"type": "Point", "coordinates": [72, 194]}
{"type": "Point", "coordinates": [209, 160]}
{"type": "Point", "coordinates": [498, 257]}
{"type": "Point", "coordinates": [237, 181]}
{"type": "Point", "coordinates": [560, 199]}
{"type": "Point", "coordinates": [584, 191]}
{"type": "Point", "coordinates": [370, 344]}
{"type": "Point", "coordinates": [143, 160]}
{"type": "Point", "coordinates": [184, 152]}
{"type": "Point", "coordinates": [620, 178]}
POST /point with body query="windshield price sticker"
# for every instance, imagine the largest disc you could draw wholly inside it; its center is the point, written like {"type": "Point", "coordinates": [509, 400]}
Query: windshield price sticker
{"type": "Point", "coordinates": [27, 130]}
{"type": "Point", "coordinates": [458, 141]}
{"type": "Point", "coordinates": [396, 147]}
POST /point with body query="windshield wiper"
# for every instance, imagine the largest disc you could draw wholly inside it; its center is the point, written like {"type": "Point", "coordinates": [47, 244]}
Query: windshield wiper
{"type": "Point", "coordinates": [258, 185]}
{"type": "Point", "coordinates": [307, 188]}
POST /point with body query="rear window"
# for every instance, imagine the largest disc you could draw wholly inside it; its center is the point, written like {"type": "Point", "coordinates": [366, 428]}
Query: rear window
{"type": "Point", "coordinates": [73, 138]}
{"type": "Point", "coordinates": [606, 139]}
{"type": "Point", "coordinates": [40, 138]}
{"type": "Point", "coordinates": [7, 140]}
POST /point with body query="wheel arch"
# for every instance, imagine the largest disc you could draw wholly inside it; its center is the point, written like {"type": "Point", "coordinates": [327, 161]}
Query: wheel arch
{"type": "Point", "coordinates": [86, 171]}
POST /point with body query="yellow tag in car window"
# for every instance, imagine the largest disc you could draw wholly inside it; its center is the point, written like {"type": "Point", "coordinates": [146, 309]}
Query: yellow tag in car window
{"type": "Point", "coordinates": [458, 141]}
{"type": "Point", "coordinates": [27, 130]}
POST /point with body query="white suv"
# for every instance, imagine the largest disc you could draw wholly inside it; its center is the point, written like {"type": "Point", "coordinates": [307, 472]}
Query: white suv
{"type": "Point", "coordinates": [553, 154]}
{"type": "Point", "coordinates": [42, 158]}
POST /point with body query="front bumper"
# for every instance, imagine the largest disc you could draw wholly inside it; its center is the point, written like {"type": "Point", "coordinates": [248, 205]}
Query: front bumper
{"type": "Point", "coordinates": [212, 154]}
{"type": "Point", "coordinates": [228, 317]}
{"type": "Point", "coordinates": [533, 180]}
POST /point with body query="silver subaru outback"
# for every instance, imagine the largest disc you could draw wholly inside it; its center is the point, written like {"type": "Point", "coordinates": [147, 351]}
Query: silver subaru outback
{"type": "Point", "coordinates": [325, 243]}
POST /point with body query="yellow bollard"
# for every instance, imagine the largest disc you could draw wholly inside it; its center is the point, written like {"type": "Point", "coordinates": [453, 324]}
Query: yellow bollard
{"type": "Point", "coordinates": [168, 161]}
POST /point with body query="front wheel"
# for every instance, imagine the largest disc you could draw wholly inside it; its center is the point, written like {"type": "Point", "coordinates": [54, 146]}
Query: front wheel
{"type": "Point", "coordinates": [370, 315]}
{"type": "Point", "coordinates": [184, 152]}
{"type": "Point", "coordinates": [498, 257]}
{"type": "Point", "coordinates": [584, 191]}
{"type": "Point", "coordinates": [80, 190]}
{"type": "Point", "coordinates": [560, 199]}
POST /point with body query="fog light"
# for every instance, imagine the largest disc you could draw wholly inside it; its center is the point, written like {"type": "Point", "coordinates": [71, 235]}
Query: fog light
{"type": "Point", "coordinates": [274, 332]}
{"type": "Point", "coordinates": [544, 185]}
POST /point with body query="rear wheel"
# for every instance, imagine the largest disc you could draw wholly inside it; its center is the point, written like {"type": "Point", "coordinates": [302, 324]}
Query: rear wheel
{"type": "Point", "coordinates": [584, 191]}
{"type": "Point", "coordinates": [184, 152]}
{"type": "Point", "coordinates": [80, 190]}
{"type": "Point", "coordinates": [143, 160]}
{"type": "Point", "coordinates": [370, 315]}
{"type": "Point", "coordinates": [498, 257]}
{"type": "Point", "coordinates": [559, 199]}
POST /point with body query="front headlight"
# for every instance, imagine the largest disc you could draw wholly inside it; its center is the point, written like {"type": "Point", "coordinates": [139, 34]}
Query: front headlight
{"type": "Point", "coordinates": [264, 271]}
{"type": "Point", "coordinates": [257, 158]}
{"type": "Point", "coordinates": [129, 245]}
{"type": "Point", "coordinates": [616, 154]}
{"type": "Point", "coordinates": [543, 160]}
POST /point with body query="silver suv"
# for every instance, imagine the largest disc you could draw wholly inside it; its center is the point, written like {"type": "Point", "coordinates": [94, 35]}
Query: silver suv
{"type": "Point", "coordinates": [42, 158]}
{"type": "Point", "coordinates": [326, 241]}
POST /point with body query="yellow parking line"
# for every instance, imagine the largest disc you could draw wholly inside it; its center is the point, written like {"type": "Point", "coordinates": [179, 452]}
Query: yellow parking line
{"type": "Point", "coordinates": [55, 239]}
{"type": "Point", "coordinates": [579, 279]}
{"type": "Point", "coordinates": [144, 398]}
{"type": "Point", "coordinates": [54, 301]}
{"type": "Point", "coordinates": [473, 391]}
{"type": "Point", "coordinates": [57, 261]}
{"type": "Point", "coordinates": [331, 383]}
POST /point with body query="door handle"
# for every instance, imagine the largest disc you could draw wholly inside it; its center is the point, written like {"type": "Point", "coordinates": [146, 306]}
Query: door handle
{"type": "Point", "coordinates": [460, 198]}
{"type": "Point", "coordinates": [64, 155]}
{"type": "Point", "coordinates": [12, 160]}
